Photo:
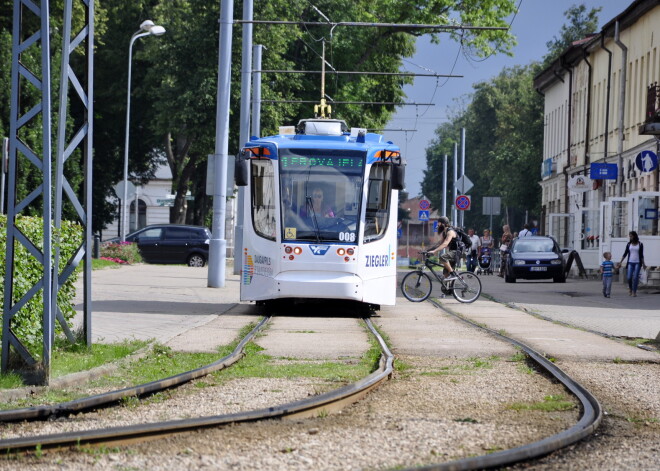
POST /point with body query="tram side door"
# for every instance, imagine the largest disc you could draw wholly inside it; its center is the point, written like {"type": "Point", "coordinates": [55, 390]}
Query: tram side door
{"type": "Point", "coordinates": [562, 229]}
{"type": "Point", "coordinates": [615, 221]}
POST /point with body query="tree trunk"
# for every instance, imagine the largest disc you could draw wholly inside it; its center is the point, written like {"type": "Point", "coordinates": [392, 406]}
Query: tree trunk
{"type": "Point", "coordinates": [182, 165]}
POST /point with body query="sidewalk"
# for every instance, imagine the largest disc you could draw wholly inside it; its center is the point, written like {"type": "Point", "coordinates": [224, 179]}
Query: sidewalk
{"type": "Point", "coordinates": [154, 302]}
{"type": "Point", "coordinates": [173, 304]}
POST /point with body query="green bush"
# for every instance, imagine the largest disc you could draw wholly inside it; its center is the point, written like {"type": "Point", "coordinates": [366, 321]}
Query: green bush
{"type": "Point", "coordinates": [122, 252]}
{"type": "Point", "coordinates": [27, 323]}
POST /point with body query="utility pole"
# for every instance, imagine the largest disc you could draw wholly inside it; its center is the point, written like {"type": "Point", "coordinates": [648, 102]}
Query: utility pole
{"type": "Point", "coordinates": [244, 134]}
{"type": "Point", "coordinates": [463, 172]}
{"type": "Point", "coordinates": [444, 187]}
{"type": "Point", "coordinates": [218, 244]}
{"type": "Point", "coordinates": [455, 192]}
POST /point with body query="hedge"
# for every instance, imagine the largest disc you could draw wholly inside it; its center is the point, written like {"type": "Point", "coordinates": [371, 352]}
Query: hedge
{"type": "Point", "coordinates": [27, 323]}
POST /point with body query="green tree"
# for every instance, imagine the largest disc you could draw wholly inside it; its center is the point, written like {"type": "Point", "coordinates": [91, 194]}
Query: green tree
{"type": "Point", "coordinates": [503, 118]}
{"type": "Point", "coordinates": [178, 88]}
{"type": "Point", "coordinates": [581, 23]}
{"type": "Point", "coordinates": [504, 133]}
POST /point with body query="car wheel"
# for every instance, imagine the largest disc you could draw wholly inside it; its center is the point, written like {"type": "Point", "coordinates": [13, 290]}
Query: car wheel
{"type": "Point", "coordinates": [196, 260]}
{"type": "Point", "coordinates": [509, 279]}
{"type": "Point", "coordinates": [559, 279]}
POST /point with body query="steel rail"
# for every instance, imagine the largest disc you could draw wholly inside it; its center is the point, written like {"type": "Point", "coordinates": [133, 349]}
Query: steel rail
{"type": "Point", "coordinates": [112, 397]}
{"type": "Point", "coordinates": [308, 407]}
{"type": "Point", "coordinates": [592, 415]}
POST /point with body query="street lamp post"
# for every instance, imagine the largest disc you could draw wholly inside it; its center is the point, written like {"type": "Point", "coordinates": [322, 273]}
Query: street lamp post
{"type": "Point", "coordinates": [147, 28]}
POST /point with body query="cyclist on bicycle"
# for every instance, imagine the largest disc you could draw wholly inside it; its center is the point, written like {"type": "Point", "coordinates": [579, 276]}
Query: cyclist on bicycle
{"type": "Point", "coordinates": [448, 241]}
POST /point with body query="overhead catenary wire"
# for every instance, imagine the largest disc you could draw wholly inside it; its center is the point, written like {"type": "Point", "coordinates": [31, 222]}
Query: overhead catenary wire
{"type": "Point", "coordinates": [375, 25]}
{"type": "Point", "coordinates": [356, 72]}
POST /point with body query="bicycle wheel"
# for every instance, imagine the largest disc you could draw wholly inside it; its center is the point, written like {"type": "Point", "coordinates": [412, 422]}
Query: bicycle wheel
{"type": "Point", "coordinates": [416, 286]}
{"type": "Point", "coordinates": [467, 287]}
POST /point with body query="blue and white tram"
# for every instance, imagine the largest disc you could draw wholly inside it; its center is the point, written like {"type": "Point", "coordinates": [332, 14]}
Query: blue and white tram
{"type": "Point", "coordinates": [320, 215]}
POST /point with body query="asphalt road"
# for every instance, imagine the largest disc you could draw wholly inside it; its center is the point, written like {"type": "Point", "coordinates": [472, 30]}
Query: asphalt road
{"type": "Point", "coordinates": [581, 303]}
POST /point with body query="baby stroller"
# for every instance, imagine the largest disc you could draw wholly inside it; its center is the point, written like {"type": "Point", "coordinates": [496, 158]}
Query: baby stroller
{"type": "Point", "coordinates": [485, 261]}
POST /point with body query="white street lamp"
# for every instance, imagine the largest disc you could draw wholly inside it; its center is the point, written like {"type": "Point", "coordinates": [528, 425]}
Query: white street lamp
{"type": "Point", "coordinates": [147, 28]}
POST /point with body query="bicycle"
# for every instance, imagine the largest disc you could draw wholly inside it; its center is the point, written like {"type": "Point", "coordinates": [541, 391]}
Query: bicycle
{"type": "Point", "coordinates": [417, 285]}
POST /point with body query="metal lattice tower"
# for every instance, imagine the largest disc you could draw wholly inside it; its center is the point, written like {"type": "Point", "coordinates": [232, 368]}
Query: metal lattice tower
{"type": "Point", "coordinates": [51, 167]}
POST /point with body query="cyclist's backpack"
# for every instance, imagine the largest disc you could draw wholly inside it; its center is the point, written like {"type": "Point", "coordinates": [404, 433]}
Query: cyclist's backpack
{"type": "Point", "coordinates": [462, 239]}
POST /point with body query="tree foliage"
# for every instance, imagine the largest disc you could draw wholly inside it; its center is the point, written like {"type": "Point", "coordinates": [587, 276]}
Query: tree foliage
{"type": "Point", "coordinates": [175, 76]}
{"type": "Point", "coordinates": [504, 138]}
{"type": "Point", "coordinates": [581, 23]}
{"type": "Point", "coordinates": [503, 119]}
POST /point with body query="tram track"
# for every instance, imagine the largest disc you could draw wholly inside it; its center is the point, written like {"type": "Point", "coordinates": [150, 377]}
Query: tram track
{"type": "Point", "coordinates": [589, 421]}
{"type": "Point", "coordinates": [109, 398]}
{"type": "Point", "coordinates": [322, 404]}
{"type": "Point", "coordinates": [308, 407]}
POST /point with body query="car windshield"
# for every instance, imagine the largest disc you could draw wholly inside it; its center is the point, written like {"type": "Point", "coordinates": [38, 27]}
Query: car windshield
{"type": "Point", "coordinates": [533, 245]}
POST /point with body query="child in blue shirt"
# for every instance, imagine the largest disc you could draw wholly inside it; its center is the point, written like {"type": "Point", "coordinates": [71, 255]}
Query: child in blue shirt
{"type": "Point", "coordinates": [607, 270]}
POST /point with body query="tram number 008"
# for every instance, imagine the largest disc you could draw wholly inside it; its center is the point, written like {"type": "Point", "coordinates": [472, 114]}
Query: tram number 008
{"type": "Point", "coordinates": [347, 236]}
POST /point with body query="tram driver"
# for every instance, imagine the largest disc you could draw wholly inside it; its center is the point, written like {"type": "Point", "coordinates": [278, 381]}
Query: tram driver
{"type": "Point", "coordinates": [318, 206]}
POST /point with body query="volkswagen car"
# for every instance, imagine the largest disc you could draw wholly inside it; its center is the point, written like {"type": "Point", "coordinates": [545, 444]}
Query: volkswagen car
{"type": "Point", "coordinates": [534, 258]}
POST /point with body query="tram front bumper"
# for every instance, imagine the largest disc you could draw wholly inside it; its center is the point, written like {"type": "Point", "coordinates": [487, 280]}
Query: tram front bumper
{"type": "Point", "coordinates": [314, 284]}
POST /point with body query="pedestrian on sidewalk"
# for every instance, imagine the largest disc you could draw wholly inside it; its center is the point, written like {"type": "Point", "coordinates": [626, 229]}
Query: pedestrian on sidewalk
{"type": "Point", "coordinates": [505, 245]}
{"type": "Point", "coordinates": [635, 253]}
{"type": "Point", "coordinates": [473, 251]}
{"type": "Point", "coordinates": [607, 270]}
{"type": "Point", "coordinates": [525, 231]}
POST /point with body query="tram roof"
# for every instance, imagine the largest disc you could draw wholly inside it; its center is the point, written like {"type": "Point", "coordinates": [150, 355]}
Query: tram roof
{"type": "Point", "coordinates": [343, 141]}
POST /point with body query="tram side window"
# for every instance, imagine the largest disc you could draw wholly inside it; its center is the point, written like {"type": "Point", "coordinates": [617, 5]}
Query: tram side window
{"type": "Point", "coordinates": [378, 202]}
{"type": "Point", "coordinates": [263, 198]}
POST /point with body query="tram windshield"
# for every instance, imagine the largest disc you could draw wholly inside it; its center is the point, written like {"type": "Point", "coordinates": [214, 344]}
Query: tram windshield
{"type": "Point", "coordinates": [321, 190]}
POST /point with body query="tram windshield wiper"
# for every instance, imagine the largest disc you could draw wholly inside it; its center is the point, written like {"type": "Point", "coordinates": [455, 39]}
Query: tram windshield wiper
{"type": "Point", "coordinates": [310, 206]}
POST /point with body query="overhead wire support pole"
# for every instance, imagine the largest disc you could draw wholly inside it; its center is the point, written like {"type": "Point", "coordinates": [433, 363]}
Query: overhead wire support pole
{"type": "Point", "coordinates": [40, 113]}
{"type": "Point", "coordinates": [218, 245]}
{"type": "Point", "coordinates": [244, 131]}
{"type": "Point", "coordinates": [72, 88]}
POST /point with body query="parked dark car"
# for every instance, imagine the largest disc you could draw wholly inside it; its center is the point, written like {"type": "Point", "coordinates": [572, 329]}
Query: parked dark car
{"type": "Point", "coordinates": [172, 243]}
{"type": "Point", "coordinates": [534, 258]}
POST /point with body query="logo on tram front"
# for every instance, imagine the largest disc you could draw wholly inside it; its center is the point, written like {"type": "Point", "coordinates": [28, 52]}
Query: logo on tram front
{"type": "Point", "coordinates": [319, 249]}
{"type": "Point", "coordinates": [378, 261]}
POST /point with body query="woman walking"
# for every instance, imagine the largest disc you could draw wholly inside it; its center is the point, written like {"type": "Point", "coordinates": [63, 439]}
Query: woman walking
{"type": "Point", "coordinates": [635, 253]}
{"type": "Point", "coordinates": [505, 244]}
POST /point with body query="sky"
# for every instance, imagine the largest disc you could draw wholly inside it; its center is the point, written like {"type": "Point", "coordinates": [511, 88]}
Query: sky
{"type": "Point", "coordinates": [537, 22]}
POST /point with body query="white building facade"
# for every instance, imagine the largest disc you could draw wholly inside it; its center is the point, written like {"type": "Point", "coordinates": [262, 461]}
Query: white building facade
{"type": "Point", "coordinates": [150, 204]}
{"type": "Point", "coordinates": [602, 121]}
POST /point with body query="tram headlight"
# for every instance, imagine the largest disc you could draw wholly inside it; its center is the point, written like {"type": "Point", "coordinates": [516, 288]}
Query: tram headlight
{"type": "Point", "coordinates": [350, 251]}
{"type": "Point", "coordinates": [341, 251]}
{"type": "Point", "coordinates": [297, 250]}
{"type": "Point", "coordinates": [288, 249]}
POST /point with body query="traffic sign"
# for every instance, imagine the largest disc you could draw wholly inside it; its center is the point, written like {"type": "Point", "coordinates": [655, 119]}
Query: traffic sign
{"type": "Point", "coordinates": [462, 202]}
{"type": "Point", "coordinates": [646, 161]}
{"type": "Point", "coordinates": [119, 189]}
{"type": "Point", "coordinates": [435, 226]}
{"type": "Point", "coordinates": [599, 171]}
{"type": "Point", "coordinates": [464, 184]}
{"type": "Point", "coordinates": [424, 215]}
{"type": "Point", "coordinates": [424, 204]}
